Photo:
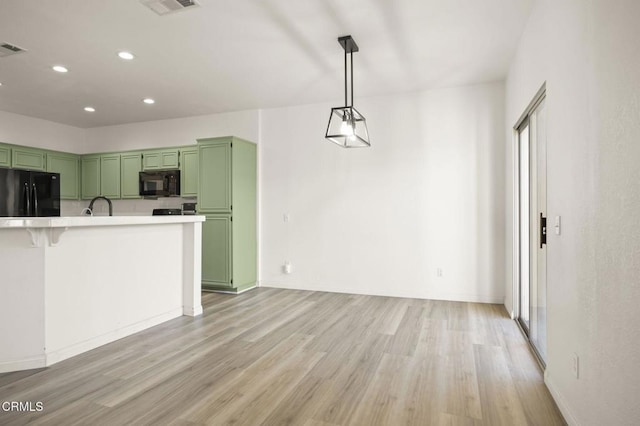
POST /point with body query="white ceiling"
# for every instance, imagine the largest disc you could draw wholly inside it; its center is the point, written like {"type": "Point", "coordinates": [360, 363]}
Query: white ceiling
{"type": "Point", "coordinates": [243, 54]}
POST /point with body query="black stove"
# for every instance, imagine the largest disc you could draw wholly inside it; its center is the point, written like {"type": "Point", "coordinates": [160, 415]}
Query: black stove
{"type": "Point", "coordinates": [166, 212]}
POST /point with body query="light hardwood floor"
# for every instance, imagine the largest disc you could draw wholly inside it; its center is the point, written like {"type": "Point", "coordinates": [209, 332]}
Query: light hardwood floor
{"type": "Point", "coordinates": [286, 357]}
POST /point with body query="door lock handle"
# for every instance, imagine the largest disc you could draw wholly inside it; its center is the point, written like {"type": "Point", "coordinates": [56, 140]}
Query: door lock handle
{"type": "Point", "coordinates": [543, 230]}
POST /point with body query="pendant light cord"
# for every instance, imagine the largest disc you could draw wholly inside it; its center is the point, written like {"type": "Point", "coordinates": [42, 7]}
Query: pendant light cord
{"type": "Point", "coordinates": [351, 53]}
{"type": "Point", "coordinates": [345, 78]}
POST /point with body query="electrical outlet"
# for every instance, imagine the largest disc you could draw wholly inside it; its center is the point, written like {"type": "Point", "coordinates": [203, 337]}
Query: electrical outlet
{"type": "Point", "coordinates": [285, 217]}
{"type": "Point", "coordinates": [439, 272]}
{"type": "Point", "coordinates": [575, 365]}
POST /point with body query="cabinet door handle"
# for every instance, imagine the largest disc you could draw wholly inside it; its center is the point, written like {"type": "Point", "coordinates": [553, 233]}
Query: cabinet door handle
{"type": "Point", "coordinates": [27, 198]}
{"type": "Point", "coordinates": [35, 200]}
{"type": "Point", "coordinates": [543, 230]}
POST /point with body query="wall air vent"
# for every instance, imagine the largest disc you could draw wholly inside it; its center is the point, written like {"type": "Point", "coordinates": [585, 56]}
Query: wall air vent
{"type": "Point", "coordinates": [165, 7]}
{"type": "Point", "coordinates": [7, 49]}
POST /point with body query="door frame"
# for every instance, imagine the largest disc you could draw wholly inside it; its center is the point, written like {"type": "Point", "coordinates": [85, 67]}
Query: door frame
{"type": "Point", "coordinates": [516, 258]}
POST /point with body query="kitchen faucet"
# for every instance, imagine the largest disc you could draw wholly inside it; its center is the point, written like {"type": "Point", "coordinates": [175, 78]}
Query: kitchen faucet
{"type": "Point", "coordinates": [90, 208]}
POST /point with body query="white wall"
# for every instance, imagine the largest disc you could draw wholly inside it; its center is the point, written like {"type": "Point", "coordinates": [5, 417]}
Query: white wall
{"type": "Point", "coordinates": [29, 131]}
{"type": "Point", "coordinates": [588, 52]}
{"type": "Point", "coordinates": [179, 131]}
{"type": "Point", "coordinates": [428, 194]}
{"type": "Point", "coordinates": [22, 130]}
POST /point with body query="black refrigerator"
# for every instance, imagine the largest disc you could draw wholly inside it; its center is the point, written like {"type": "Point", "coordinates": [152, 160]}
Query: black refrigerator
{"type": "Point", "coordinates": [25, 193]}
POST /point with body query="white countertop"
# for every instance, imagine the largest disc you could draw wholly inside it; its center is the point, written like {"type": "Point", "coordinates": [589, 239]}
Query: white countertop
{"type": "Point", "coordinates": [79, 221]}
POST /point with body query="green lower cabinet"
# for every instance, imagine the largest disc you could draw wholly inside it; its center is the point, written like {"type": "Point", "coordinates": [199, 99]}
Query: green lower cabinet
{"type": "Point", "coordinates": [5, 156]}
{"type": "Point", "coordinates": [90, 166]}
{"type": "Point", "coordinates": [216, 252]}
{"type": "Point", "coordinates": [224, 267]}
{"type": "Point", "coordinates": [131, 165]}
{"type": "Point", "coordinates": [68, 165]}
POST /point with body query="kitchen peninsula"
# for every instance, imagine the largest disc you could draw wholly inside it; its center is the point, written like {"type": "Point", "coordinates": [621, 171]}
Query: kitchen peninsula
{"type": "Point", "coordinates": [71, 284]}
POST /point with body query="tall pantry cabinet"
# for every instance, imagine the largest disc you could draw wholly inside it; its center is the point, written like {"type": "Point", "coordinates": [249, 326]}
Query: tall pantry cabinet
{"type": "Point", "coordinates": [227, 197]}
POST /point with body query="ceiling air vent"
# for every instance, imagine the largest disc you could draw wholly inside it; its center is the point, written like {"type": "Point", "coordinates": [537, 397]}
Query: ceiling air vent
{"type": "Point", "coordinates": [165, 7]}
{"type": "Point", "coordinates": [7, 49]}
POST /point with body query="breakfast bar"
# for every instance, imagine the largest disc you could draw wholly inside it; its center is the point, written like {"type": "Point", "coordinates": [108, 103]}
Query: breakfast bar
{"type": "Point", "coordinates": [71, 284]}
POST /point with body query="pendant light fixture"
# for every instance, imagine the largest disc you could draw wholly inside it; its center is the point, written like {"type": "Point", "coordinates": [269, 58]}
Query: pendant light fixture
{"type": "Point", "coordinates": [347, 127]}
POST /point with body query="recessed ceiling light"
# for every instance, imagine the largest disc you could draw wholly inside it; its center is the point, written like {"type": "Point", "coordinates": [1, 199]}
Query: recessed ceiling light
{"type": "Point", "coordinates": [148, 101]}
{"type": "Point", "coordinates": [90, 109]}
{"type": "Point", "coordinates": [126, 55]}
{"type": "Point", "coordinates": [59, 68]}
{"type": "Point", "coordinates": [0, 84]}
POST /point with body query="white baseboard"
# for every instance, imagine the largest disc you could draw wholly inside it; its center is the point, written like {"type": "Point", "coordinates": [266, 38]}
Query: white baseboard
{"type": "Point", "coordinates": [247, 289]}
{"type": "Point", "coordinates": [234, 292]}
{"type": "Point", "coordinates": [456, 297]}
{"type": "Point", "coordinates": [511, 314]}
{"type": "Point", "coordinates": [61, 354]}
{"type": "Point", "coordinates": [23, 364]}
{"type": "Point", "coordinates": [560, 402]}
{"type": "Point", "coordinates": [192, 312]}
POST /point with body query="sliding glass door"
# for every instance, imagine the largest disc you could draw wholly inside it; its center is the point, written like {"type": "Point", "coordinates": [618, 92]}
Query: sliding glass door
{"type": "Point", "coordinates": [532, 228]}
{"type": "Point", "coordinates": [525, 241]}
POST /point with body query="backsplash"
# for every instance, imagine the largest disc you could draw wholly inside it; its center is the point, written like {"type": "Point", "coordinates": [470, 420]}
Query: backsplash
{"type": "Point", "coordinates": [142, 207]}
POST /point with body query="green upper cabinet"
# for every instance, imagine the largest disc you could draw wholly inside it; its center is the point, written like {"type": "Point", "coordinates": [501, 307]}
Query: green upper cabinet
{"type": "Point", "coordinates": [5, 156]}
{"type": "Point", "coordinates": [131, 165]}
{"type": "Point", "coordinates": [68, 165]}
{"type": "Point", "coordinates": [161, 159]}
{"type": "Point", "coordinates": [214, 183]}
{"type": "Point", "coordinates": [189, 172]}
{"type": "Point", "coordinates": [116, 175]}
{"type": "Point", "coordinates": [101, 176]}
{"type": "Point", "coordinates": [28, 158]}
{"type": "Point", "coordinates": [110, 175]}
{"type": "Point", "coordinates": [90, 166]}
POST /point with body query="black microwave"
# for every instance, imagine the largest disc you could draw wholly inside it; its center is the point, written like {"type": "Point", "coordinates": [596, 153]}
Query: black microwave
{"type": "Point", "coordinates": [160, 183]}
